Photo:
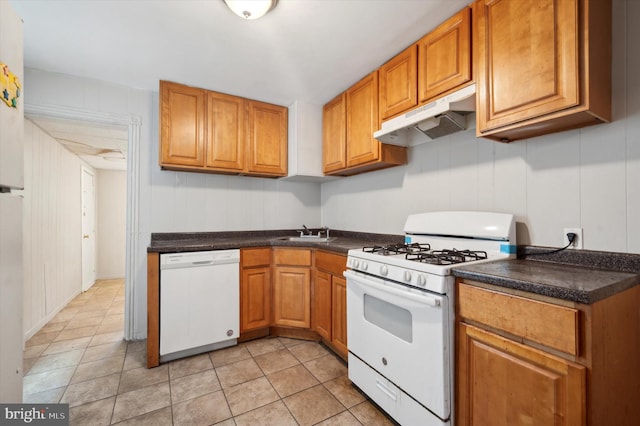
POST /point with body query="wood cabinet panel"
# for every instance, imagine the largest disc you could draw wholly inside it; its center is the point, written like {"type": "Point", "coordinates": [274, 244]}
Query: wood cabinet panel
{"type": "Point", "coordinates": [153, 310]}
{"type": "Point", "coordinates": [444, 57]}
{"type": "Point", "coordinates": [522, 317]}
{"type": "Point", "coordinates": [225, 131]}
{"type": "Point", "coordinates": [255, 257]}
{"type": "Point", "coordinates": [398, 83]}
{"type": "Point", "coordinates": [339, 315]}
{"type": "Point", "coordinates": [292, 297]}
{"type": "Point", "coordinates": [334, 134]}
{"type": "Point", "coordinates": [267, 139]}
{"type": "Point", "coordinates": [533, 66]}
{"type": "Point", "coordinates": [541, 66]}
{"type": "Point", "coordinates": [292, 257]}
{"type": "Point", "coordinates": [362, 119]}
{"type": "Point", "coordinates": [333, 263]}
{"type": "Point", "coordinates": [255, 298]}
{"type": "Point", "coordinates": [504, 383]}
{"type": "Point", "coordinates": [255, 288]}
{"type": "Point", "coordinates": [182, 114]}
{"type": "Point", "coordinates": [322, 304]}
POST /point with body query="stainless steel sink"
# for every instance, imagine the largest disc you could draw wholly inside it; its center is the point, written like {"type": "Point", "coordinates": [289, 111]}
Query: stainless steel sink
{"type": "Point", "coordinates": [308, 238]}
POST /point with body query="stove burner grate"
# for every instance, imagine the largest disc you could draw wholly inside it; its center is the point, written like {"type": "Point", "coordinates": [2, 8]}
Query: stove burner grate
{"type": "Point", "coordinates": [412, 248]}
{"type": "Point", "coordinates": [447, 257]}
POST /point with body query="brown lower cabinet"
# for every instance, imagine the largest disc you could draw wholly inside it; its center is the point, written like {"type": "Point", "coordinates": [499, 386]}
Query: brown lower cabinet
{"type": "Point", "coordinates": [521, 361]}
{"type": "Point", "coordinates": [292, 287]}
{"type": "Point", "coordinates": [255, 288]}
{"type": "Point", "coordinates": [330, 300]}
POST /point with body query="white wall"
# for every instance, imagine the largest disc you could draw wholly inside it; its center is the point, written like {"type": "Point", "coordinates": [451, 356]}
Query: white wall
{"type": "Point", "coordinates": [588, 178]}
{"type": "Point", "coordinates": [111, 197]}
{"type": "Point", "coordinates": [52, 228]}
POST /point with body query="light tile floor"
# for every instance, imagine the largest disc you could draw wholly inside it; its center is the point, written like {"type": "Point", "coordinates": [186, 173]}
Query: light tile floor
{"type": "Point", "coordinates": [80, 358]}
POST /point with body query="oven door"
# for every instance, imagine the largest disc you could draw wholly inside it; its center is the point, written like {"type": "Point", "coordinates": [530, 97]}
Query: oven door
{"type": "Point", "coordinates": [402, 333]}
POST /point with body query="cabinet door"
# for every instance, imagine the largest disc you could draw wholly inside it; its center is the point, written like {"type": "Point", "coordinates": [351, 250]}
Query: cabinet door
{"type": "Point", "coordinates": [292, 297]}
{"type": "Point", "coordinates": [444, 57]}
{"type": "Point", "coordinates": [225, 132]}
{"type": "Point", "coordinates": [255, 298]}
{"type": "Point", "coordinates": [182, 125]}
{"type": "Point", "coordinates": [339, 314]}
{"type": "Point", "coordinates": [267, 139]}
{"type": "Point", "coordinates": [362, 121]}
{"type": "Point", "coordinates": [334, 134]}
{"type": "Point", "coordinates": [398, 83]}
{"type": "Point", "coordinates": [504, 383]}
{"type": "Point", "coordinates": [527, 60]}
{"type": "Point", "coordinates": [322, 304]}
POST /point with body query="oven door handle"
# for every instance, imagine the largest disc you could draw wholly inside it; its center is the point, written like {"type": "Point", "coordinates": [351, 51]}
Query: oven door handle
{"type": "Point", "coordinates": [423, 299]}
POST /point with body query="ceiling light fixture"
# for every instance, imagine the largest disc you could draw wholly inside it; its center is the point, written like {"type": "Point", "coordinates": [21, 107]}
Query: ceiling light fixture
{"type": "Point", "coordinates": [250, 9]}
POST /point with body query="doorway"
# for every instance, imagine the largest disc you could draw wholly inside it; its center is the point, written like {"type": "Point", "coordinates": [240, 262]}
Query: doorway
{"type": "Point", "coordinates": [88, 229]}
{"type": "Point", "coordinates": [134, 254]}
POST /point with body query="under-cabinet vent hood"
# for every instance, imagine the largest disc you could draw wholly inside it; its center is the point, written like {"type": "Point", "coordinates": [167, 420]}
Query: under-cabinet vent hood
{"type": "Point", "coordinates": [433, 120]}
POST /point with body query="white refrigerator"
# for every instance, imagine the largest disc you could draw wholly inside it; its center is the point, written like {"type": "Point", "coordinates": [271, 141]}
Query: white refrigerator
{"type": "Point", "coordinates": [11, 182]}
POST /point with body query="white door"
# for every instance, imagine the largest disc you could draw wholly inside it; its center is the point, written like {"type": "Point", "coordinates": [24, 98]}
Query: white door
{"type": "Point", "coordinates": [88, 229]}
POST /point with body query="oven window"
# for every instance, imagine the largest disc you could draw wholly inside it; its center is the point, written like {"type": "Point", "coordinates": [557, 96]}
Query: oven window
{"type": "Point", "coordinates": [389, 317]}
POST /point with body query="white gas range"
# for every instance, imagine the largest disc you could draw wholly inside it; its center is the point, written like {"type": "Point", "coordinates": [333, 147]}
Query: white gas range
{"type": "Point", "coordinates": [400, 311]}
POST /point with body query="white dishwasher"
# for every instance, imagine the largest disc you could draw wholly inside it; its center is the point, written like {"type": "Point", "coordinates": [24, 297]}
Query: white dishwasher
{"type": "Point", "coordinates": [199, 302]}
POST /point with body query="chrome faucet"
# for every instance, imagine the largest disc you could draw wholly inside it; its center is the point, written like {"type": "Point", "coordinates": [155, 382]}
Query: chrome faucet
{"type": "Point", "coordinates": [326, 231]}
{"type": "Point", "coordinates": [306, 231]}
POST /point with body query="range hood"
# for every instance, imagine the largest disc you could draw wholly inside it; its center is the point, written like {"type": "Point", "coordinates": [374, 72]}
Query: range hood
{"type": "Point", "coordinates": [433, 120]}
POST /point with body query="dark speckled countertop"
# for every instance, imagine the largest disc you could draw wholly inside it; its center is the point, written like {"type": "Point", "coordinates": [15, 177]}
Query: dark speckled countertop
{"type": "Point", "coordinates": [340, 241]}
{"type": "Point", "coordinates": [566, 275]}
{"type": "Point", "coordinates": [580, 276]}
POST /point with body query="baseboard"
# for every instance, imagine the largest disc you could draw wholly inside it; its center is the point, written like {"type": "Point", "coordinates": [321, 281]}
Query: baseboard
{"type": "Point", "coordinates": [38, 326]}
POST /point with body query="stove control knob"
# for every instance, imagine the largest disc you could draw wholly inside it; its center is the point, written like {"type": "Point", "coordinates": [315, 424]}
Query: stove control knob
{"type": "Point", "coordinates": [384, 270]}
{"type": "Point", "coordinates": [407, 276]}
{"type": "Point", "coordinates": [356, 263]}
{"type": "Point", "coordinates": [422, 280]}
{"type": "Point", "coordinates": [365, 265]}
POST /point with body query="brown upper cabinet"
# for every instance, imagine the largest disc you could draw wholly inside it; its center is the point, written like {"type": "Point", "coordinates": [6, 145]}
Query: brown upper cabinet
{"type": "Point", "coordinates": [182, 125]}
{"type": "Point", "coordinates": [353, 137]}
{"type": "Point", "coordinates": [398, 83]}
{"type": "Point", "coordinates": [205, 131]}
{"type": "Point", "coordinates": [541, 66]}
{"type": "Point", "coordinates": [444, 57]}
{"type": "Point", "coordinates": [438, 63]}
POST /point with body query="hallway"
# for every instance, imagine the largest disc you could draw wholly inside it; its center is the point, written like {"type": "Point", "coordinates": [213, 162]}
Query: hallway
{"type": "Point", "coordinates": [79, 358]}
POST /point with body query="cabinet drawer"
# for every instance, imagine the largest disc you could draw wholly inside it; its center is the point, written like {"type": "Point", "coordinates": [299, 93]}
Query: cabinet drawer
{"type": "Point", "coordinates": [295, 257]}
{"type": "Point", "coordinates": [333, 263]}
{"type": "Point", "coordinates": [550, 325]}
{"type": "Point", "coordinates": [255, 257]}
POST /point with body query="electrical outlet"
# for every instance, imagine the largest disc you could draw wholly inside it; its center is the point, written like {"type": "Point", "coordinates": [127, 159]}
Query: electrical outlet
{"type": "Point", "coordinates": [577, 243]}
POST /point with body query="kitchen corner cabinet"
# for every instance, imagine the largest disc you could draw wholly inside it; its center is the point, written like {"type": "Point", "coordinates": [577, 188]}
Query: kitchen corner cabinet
{"type": "Point", "coordinates": [255, 288]}
{"type": "Point", "coordinates": [541, 66]}
{"type": "Point", "coordinates": [330, 300]}
{"type": "Point", "coordinates": [521, 361]}
{"type": "Point", "coordinates": [292, 287]}
{"type": "Point", "coordinates": [362, 153]}
{"type": "Point", "coordinates": [205, 131]}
